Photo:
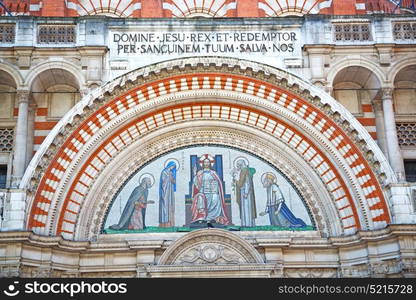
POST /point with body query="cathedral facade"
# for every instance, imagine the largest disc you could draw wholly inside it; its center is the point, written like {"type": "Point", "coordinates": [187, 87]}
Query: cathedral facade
{"type": "Point", "coordinates": [207, 138]}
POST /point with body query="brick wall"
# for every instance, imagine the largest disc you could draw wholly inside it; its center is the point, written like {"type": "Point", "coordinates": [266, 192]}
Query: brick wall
{"type": "Point", "coordinates": [368, 120]}
{"type": "Point", "coordinates": [219, 8]}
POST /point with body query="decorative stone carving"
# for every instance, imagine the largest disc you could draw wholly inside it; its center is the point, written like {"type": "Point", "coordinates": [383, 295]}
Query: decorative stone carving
{"type": "Point", "coordinates": [210, 253]}
{"type": "Point", "coordinates": [6, 139]}
{"type": "Point", "coordinates": [409, 265]}
{"type": "Point", "coordinates": [64, 274]}
{"type": "Point", "coordinates": [277, 271]}
{"type": "Point", "coordinates": [22, 96]}
{"type": "Point", "coordinates": [404, 31]}
{"type": "Point", "coordinates": [109, 274]}
{"type": "Point", "coordinates": [374, 269]}
{"type": "Point", "coordinates": [37, 272]}
{"type": "Point", "coordinates": [387, 93]}
{"type": "Point", "coordinates": [142, 272]}
{"type": "Point", "coordinates": [7, 271]}
{"type": "Point", "coordinates": [406, 133]}
{"type": "Point", "coordinates": [210, 246]}
{"type": "Point", "coordinates": [136, 255]}
{"type": "Point", "coordinates": [384, 268]}
{"type": "Point", "coordinates": [311, 273]}
{"type": "Point", "coordinates": [356, 271]}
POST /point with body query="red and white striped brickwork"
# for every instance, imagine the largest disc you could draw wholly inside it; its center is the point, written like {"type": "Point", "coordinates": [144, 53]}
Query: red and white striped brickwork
{"type": "Point", "coordinates": [43, 125]}
{"type": "Point", "coordinates": [43, 207]}
{"type": "Point", "coordinates": [368, 120]}
{"type": "Point", "coordinates": [185, 8]}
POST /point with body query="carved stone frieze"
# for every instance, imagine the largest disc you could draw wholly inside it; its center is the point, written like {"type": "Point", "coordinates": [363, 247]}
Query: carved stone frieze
{"type": "Point", "coordinates": [409, 265]}
{"type": "Point", "coordinates": [9, 270]}
{"type": "Point", "coordinates": [310, 273]}
{"type": "Point", "coordinates": [210, 253]}
{"type": "Point", "coordinates": [37, 271]}
{"type": "Point", "coordinates": [385, 267]}
{"type": "Point", "coordinates": [356, 271]}
{"type": "Point", "coordinates": [381, 268]}
{"type": "Point", "coordinates": [108, 274]}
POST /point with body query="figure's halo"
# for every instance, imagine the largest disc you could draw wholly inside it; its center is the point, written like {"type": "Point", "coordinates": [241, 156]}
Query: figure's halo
{"type": "Point", "coordinates": [152, 178]}
{"type": "Point", "coordinates": [263, 177]}
{"type": "Point", "coordinates": [240, 158]}
{"type": "Point", "coordinates": [174, 160]}
{"type": "Point", "coordinates": [204, 157]}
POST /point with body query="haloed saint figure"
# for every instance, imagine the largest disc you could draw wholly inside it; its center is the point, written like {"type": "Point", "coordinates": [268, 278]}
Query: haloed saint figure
{"type": "Point", "coordinates": [206, 186]}
{"type": "Point", "coordinates": [134, 213]}
{"type": "Point", "coordinates": [167, 189]}
{"type": "Point", "coordinates": [208, 204]}
{"type": "Point", "coordinates": [246, 200]}
{"type": "Point", "coordinates": [279, 213]}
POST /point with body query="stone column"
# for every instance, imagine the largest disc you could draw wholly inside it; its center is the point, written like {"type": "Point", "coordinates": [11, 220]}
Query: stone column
{"type": "Point", "coordinates": [30, 132]}
{"type": "Point", "coordinates": [20, 145]}
{"type": "Point", "coordinates": [393, 148]}
{"type": "Point", "coordinates": [381, 132]}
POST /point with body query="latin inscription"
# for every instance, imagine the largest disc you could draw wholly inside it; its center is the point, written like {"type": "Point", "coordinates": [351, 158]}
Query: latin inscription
{"type": "Point", "coordinates": [162, 43]}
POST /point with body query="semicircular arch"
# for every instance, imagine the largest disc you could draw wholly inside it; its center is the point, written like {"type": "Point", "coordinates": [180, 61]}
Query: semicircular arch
{"type": "Point", "coordinates": [56, 64]}
{"type": "Point", "coordinates": [366, 64]}
{"type": "Point", "coordinates": [150, 98]}
{"type": "Point", "coordinates": [239, 246]}
{"type": "Point", "coordinates": [13, 72]}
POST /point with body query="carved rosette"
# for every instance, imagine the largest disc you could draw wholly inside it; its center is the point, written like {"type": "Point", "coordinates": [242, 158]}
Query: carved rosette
{"type": "Point", "coordinates": [210, 253]}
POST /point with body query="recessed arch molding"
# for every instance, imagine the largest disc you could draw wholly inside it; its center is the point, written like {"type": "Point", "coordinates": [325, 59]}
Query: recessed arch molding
{"type": "Point", "coordinates": [256, 96]}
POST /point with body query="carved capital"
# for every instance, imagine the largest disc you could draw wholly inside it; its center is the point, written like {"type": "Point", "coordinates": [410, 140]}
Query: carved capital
{"type": "Point", "coordinates": [377, 105]}
{"type": "Point", "coordinates": [22, 96]}
{"type": "Point", "coordinates": [387, 93]}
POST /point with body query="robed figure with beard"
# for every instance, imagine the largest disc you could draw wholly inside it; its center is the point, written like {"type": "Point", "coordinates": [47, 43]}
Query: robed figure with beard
{"type": "Point", "coordinates": [208, 204]}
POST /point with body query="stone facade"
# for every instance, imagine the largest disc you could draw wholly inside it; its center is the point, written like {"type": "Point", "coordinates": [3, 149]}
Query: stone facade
{"type": "Point", "coordinates": [386, 253]}
{"type": "Point", "coordinates": [87, 102]}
